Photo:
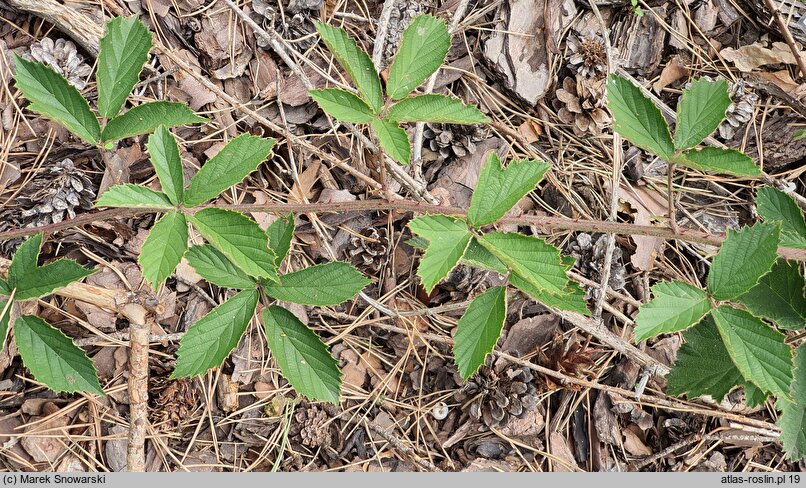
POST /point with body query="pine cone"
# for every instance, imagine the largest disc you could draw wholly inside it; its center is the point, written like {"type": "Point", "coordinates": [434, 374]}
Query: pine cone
{"type": "Point", "coordinates": [174, 403]}
{"type": "Point", "coordinates": [740, 111]}
{"type": "Point", "coordinates": [58, 191]}
{"type": "Point", "coordinates": [590, 260]}
{"type": "Point", "coordinates": [461, 283]}
{"type": "Point", "coordinates": [63, 57]}
{"type": "Point", "coordinates": [369, 250]}
{"type": "Point", "coordinates": [495, 397]}
{"type": "Point", "coordinates": [453, 141]}
{"type": "Point", "coordinates": [310, 427]}
{"type": "Point", "coordinates": [295, 23]}
{"type": "Point", "coordinates": [588, 55]}
{"type": "Point", "coordinates": [579, 103]}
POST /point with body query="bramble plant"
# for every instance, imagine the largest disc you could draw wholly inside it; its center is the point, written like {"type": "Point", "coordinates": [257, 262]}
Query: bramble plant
{"type": "Point", "coordinates": [731, 327]}
{"type": "Point", "coordinates": [422, 51]}
{"type": "Point", "coordinates": [240, 255]}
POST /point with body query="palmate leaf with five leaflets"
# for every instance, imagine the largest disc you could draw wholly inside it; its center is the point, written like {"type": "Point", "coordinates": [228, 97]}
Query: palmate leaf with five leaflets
{"type": "Point", "coordinates": [123, 52]}
{"type": "Point", "coordinates": [211, 339]}
{"type": "Point", "coordinates": [779, 296]}
{"type": "Point", "coordinates": [479, 329]}
{"type": "Point", "coordinates": [746, 255]}
{"type": "Point", "coordinates": [793, 413]}
{"type": "Point", "coordinates": [167, 163]}
{"type": "Point", "coordinates": [703, 365]}
{"type": "Point", "coordinates": [393, 140]}
{"type": "Point", "coordinates": [302, 356]}
{"type": "Point", "coordinates": [145, 118]}
{"type": "Point", "coordinates": [499, 188]}
{"type": "Point", "coordinates": [773, 205]}
{"type": "Point", "coordinates": [422, 51]}
{"type": "Point", "coordinates": [324, 284]}
{"type": "Point", "coordinates": [234, 162]}
{"type": "Point", "coordinates": [163, 248]}
{"type": "Point", "coordinates": [537, 262]}
{"type": "Point", "coordinates": [53, 358]}
{"type": "Point", "coordinates": [216, 268]}
{"type": "Point", "coordinates": [343, 105]}
{"type": "Point", "coordinates": [52, 96]}
{"type": "Point", "coordinates": [435, 108]}
{"type": "Point", "coordinates": [447, 240]}
{"type": "Point", "coordinates": [758, 351]}
{"type": "Point", "coordinates": [637, 118]}
{"type": "Point", "coordinates": [355, 61]}
{"type": "Point", "coordinates": [676, 306]}
{"type": "Point", "coordinates": [129, 195]}
{"type": "Point", "coordinates": [700, 111]}
{"type": "Point", "coordinates": [240, 239]}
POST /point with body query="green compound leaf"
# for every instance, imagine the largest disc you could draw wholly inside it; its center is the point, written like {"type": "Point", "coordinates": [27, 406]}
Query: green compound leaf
{"type": "Point", "coordinates": [774, 205]}
{"type": "Point", "coordinates": [133, 196]}
{"type": "Point", "coordinates": [435, 108]}
{"type": "Point", "coordinates": [5, 314]}
{"type": "Point", "coordinates": [343, 105]}
{"type": "Point", "coordinates": [745, 256]}
{"type": "Point", "coordinates": [210, 340]}
{"type": "Point", "coordinates": [757, 350]}
{"type": "Point", "coordinates": [700, 112]}
{"type": "Point", "coordinates": [499, 188]}
{"type": "Point", "coordinates": [146, 117]}
{"type": "Point", "coordinates": [164, 248]}
{"type": "Point", "coordinates": [215, 268]}
{"type": "Point", "coordinates": [676, 306]}
{"type": "Point", "coordinates": [167, 163]}
{"type": "Point", "coordinates": [123, 52]}
{"type": "Point", "coordinates": [540, 264]}
{"type": "Point", "coordinates": [281, 233]}
{"type": "Point", "coordinates": [240, 239]}
{"type": "Point", "coordinates": [718, 160]}
{"type": "Point", "coordinates": [574, 301]}
{"type": "Point", "coordinates": [425, 44]}
{"type": "Point", "coordinates": [479, 329]}
{"type": "Point", "coordinates": [637, 118]}
{"type": "Point", "coordinates": [793, 417]}
{"type": "Point", "coordinates": [52, 96]}
{"type": "Point", "coordinates": [447, 240]}
{"type": "Point", "coordinates": [703, 365]}
{"type": "Point", "coordinates": [477, 256]}
{"type": "Point", "coordinates": [52, 357]}
{"type": "Point", "coordinates": [302, 356]}
{"type": "Point", "coordinates": [240, 157]}
{"type": "Point", "coordinates": [393, 140]}
{"type": "Point", "coordinates": [324, 284]}
{"type": "Point", "coordinates": [355, 61]}
{"type": "Point", "coordinates": [779, 296]}
{"type": "Point", "coordinates": [32, 281]}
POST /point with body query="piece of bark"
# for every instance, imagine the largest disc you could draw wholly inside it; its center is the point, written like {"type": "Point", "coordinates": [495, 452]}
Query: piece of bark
{"type": "Point", "coordinates": [640, 41]}
{"type": "Point", "coordinates": [520, 45]}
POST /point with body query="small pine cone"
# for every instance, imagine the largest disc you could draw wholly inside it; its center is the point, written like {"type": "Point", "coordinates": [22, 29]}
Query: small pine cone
{"type": "Point", "coordinates": [54, 194]}
{"type": "Point", "coordinates": [294, 24]}
{"type": "Point", "coordinates": [579, 103]}
{"type": "Point", "coordinates": [453, 141]}
{"type": "Point", "coordinates": [310, 427]}
{"type": "Point", "coordinates": [495, 397]}
{"type": "Point", "coordinates": [173, 403]}
{"type": "Point", "coordinates": [63, 57]}
{"type": "Point", "coordinates": [369, 250]}
{"type": "Point", "coordinates": [588, 55]}
{"type": "Point", "coordinates": [461, 283]}
{"type": "Point", "coordinates": [740, 111]}
{"type": "Point", "coordinates": [590, 260]}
